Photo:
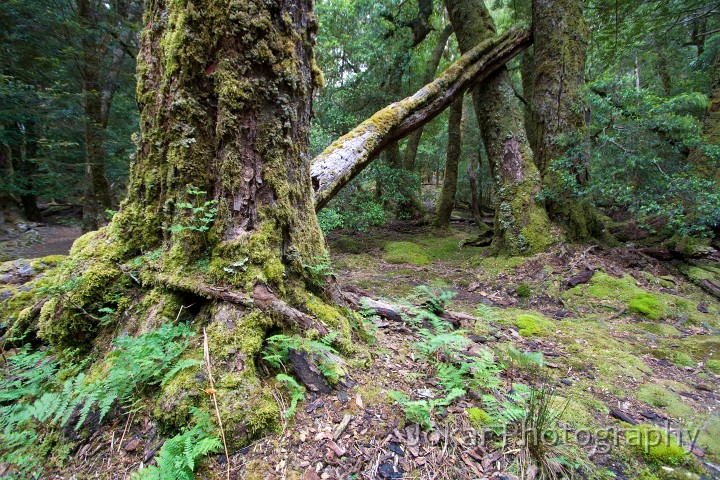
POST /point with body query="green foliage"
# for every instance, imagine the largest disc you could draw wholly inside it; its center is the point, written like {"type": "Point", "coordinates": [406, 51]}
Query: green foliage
{"type": "Point", "coordinates": [297, 392]}
{"type": "Point", "coordinates": [523, 291]}
{"type": "Point", "coordinates": [319, 269]}
{"type": "Point", "coordinates": [35, 402]}
{"type": "Point", "coordinates": [180, 454]}
{"type": "Point", "coordinates": [638, 157]}
{"type": "Point", "coordinates": [327, 358]}
{"type": "Point", "coordinates": [200, 214]}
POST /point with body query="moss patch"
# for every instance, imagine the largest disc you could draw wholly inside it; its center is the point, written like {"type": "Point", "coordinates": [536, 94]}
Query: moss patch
{"type": "Point", "coordinates": [406, 252]}
{"type": "Point", "coordinates": [661, 397]}
{"type": "Point", "coordinates": [532, 325]}
{"type": "Point", "coordinates": [654, 445]}
{"type": "Point", "coordinates": [646, 305]}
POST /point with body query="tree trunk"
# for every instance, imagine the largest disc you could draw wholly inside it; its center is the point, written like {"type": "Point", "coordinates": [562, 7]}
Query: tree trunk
{"type": "Point", "coordinates": [474, 194]}
{"type": "Point", "coordinates": [97, 189]}
{"type": "Point", "coordinates": [22, 153]}
{"type": "Point", "coordinates": [220, 189]}
{"type": "Point", "coordinates": [446, 200]}
{"type": "Point", "coordinates": [350, 154]}
{"type": "Point", "coordinates": [521, 223]}
{"type": "Point", "coordinates": [699, 162]}
{"type": "Point", "coordinates": [414, 140]}
{"type": "Point", "coordinates": [556, 109]}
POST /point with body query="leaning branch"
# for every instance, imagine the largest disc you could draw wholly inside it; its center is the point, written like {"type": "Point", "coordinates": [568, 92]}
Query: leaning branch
{"type": "Point", "coordinates": [350, 154]}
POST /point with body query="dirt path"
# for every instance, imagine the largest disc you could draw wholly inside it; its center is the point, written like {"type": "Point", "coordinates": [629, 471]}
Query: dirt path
{"type": "Point", "coordinates": [38, 241]}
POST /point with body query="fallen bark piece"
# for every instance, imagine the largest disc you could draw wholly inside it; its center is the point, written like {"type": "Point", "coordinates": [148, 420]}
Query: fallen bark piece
{"type": "Point", "coordinates": [349, 155]}
{"type": "Point", "coordinates": [578, 278]}
{"type": "Point", "coordinates": [620, 415]}
{"type": "Point", "coordinates": [308, 372]}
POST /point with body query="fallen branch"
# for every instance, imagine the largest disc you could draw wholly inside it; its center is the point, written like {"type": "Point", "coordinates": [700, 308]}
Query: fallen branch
{"type": "Point", "coordinates": [350, 154]}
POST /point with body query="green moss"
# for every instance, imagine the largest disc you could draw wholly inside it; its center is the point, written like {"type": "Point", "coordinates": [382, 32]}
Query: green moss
{"type": "Point", "coordinates": [654, 445]}
{"type": "Point", "coordinates": [405, 252]}
{"type": "Point", "coordinates": [478, 417]}
{"type": "Point", "coordinates": [713, 365]}
{"type": "Point", "coordinates": [683, 359]}
{"type": "Point", "coordinates": [661, 397]}
{"type": "Point", "coordinates": [647, 305]}
{"type": "Point", "coordinates": [523, 291]}
{"type": "Point", "coordinates": [661, 329]}
{"type": "Point", "coordinates": [348, 245]}
{"type": "Point", "coordinates": [532, 325]}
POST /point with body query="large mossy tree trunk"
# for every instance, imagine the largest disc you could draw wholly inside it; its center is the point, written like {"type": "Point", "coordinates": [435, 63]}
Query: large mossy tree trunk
{"type": "Point", "coordinates": [557, 111]}
{"type": "Point", "coordinates": [521, 223]}
{"type": "Point", "coordinates": [446, 199]}
{"type": "Point", "coordinates": [219, 222]}
{"type": "Point", "coordinates": [700, 163]}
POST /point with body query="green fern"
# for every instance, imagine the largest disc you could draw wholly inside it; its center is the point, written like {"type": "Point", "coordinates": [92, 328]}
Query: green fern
{"type": "Point", "coordinates": [180, 454]}
{"type": "Point", "coordinates": [297, 392]}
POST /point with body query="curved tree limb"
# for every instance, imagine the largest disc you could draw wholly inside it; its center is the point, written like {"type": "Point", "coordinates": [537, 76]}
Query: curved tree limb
{"type": "Point", "coordinates": [350, 154]}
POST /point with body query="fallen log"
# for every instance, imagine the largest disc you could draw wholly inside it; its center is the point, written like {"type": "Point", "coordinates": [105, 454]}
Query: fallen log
{"type": "Point", "coordinates": [349, 155]}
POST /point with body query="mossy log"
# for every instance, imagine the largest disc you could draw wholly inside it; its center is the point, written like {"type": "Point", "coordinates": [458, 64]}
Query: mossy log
{"type": "Point", "coordinates": [349, 155]}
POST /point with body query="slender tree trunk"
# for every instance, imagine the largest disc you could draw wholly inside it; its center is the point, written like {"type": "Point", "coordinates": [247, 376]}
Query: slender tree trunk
{"type": "Point", "coordinates": [414, 139]}
{"type": "Point", "coordinates": [446, 200]}
{"type": "Point", "coordinates": [521, 223]}
{"type": "Point", "coordinates": [662, 67]}
{"type": "Point", "coordinates": [22, 154]}
{"type": "Point", "coordinates": [97, 188]}
{"type": "Point", "coordinates": [474, 194]}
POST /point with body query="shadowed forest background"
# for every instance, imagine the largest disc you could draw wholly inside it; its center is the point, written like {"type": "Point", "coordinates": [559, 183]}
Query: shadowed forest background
{"type": "Point", "coordinates": [272, 239]}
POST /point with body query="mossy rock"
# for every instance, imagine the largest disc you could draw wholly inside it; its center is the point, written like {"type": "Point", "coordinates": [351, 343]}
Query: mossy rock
{"type": "Point", "coordinates": [661, 397]}
{"type": "Point", "coordinates": [406, 252]}
{"type": "Point", "coordinates": [654, 445]}
{"type": "Point", "coordinates": [532, 325]}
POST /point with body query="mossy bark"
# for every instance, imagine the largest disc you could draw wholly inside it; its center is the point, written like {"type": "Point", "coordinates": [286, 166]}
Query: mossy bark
{"type": "Point", "coordinates": [557, 111]}
{"type": "Point", "coordinates": [224, 90]}
{"type": "Point", "coordinates": [521, 223]}
{"type": "Point", "coordinates": [700, 163]}
{"type": "Point", "coordinates": [446, 200]}
{"type": "Point", "coordinates": [349, 155]}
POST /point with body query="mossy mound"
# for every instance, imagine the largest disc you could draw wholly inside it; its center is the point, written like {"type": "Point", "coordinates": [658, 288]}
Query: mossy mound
{"type": "Point", "coordinates": [533, 325]}
{"type": "Point", "coordinates": [713, 366]}
{"type": "Point", "coordinates": [646, 305]}
{"type": "Point", "coordinates": [654, 445]}
{"type": "Point", "coordinates": [406, 252]}
{"type": "Point", "coordinates": [661, 397]}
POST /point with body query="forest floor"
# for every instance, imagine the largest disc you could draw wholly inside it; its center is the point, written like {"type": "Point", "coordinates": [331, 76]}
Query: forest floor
{"type": "Point", "coordinates": [634, 341]}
